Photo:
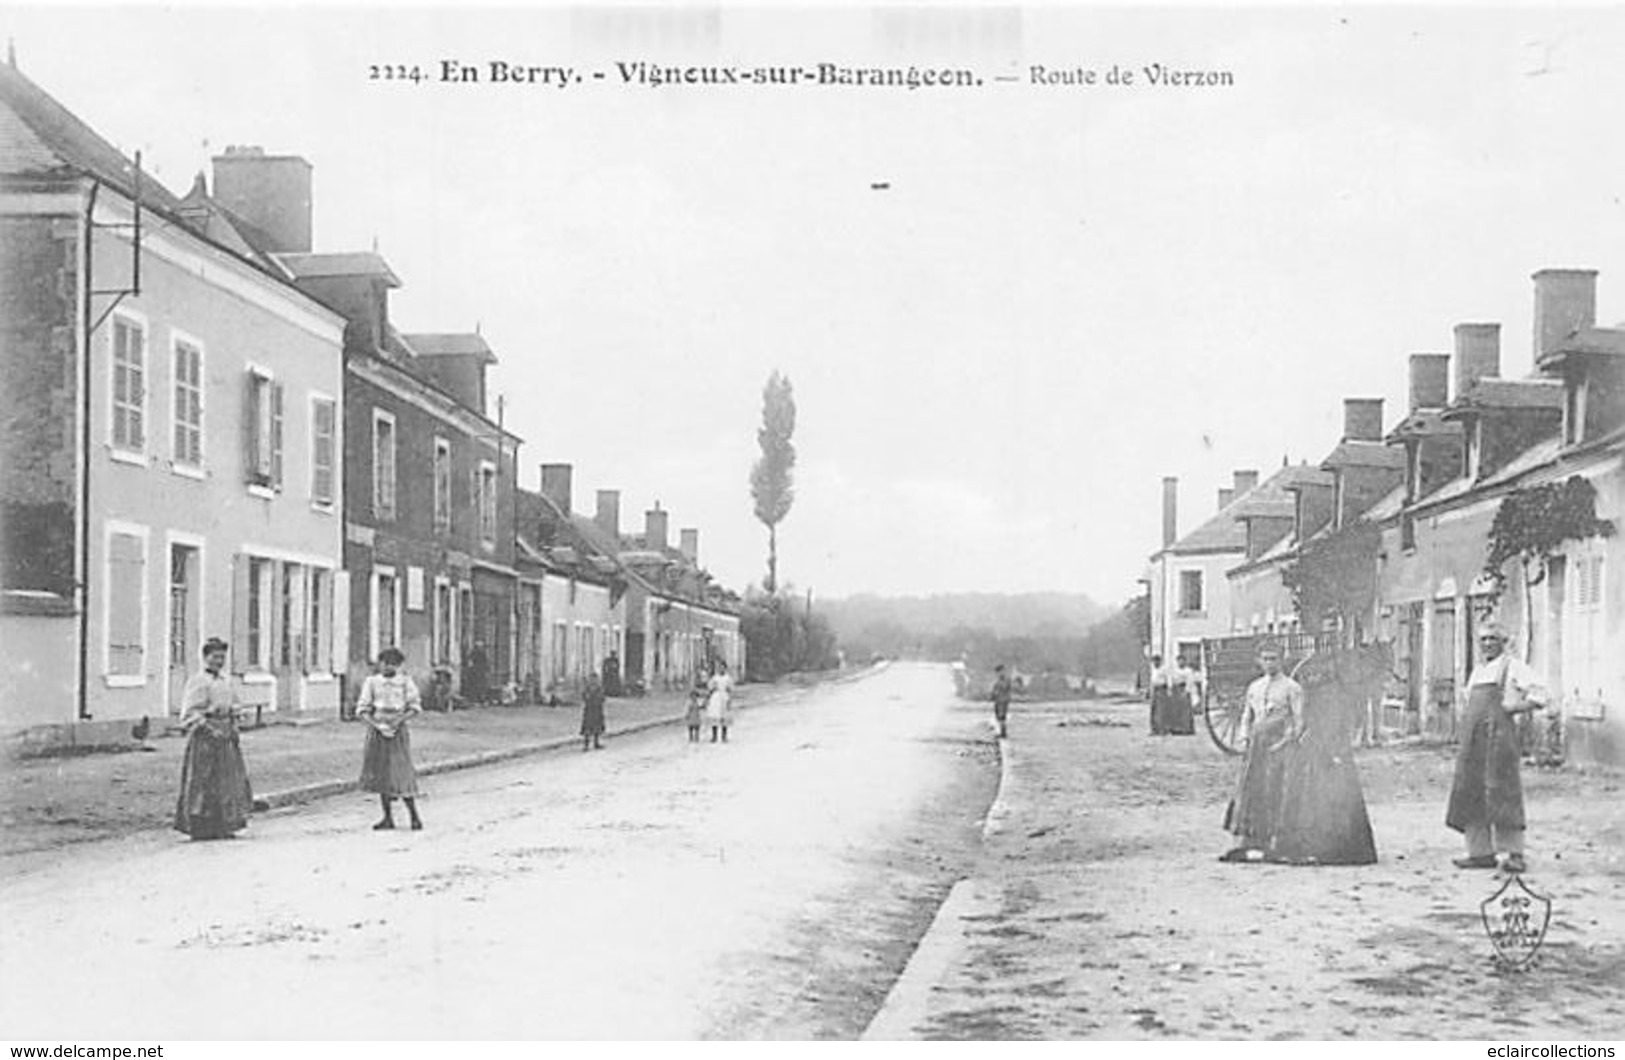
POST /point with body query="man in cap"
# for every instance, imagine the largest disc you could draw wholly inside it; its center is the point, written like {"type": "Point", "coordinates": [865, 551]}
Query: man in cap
{"type": "Point", "coordinates": [1486, 796]}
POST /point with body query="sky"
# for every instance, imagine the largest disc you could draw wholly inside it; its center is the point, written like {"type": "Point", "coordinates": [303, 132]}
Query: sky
{"type": "Point", "coordinates": [1058, 295]}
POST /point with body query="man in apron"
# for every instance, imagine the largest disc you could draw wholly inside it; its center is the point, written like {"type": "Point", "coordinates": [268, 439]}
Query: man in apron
{"type": "Point", "coordinates": [1486, 796]}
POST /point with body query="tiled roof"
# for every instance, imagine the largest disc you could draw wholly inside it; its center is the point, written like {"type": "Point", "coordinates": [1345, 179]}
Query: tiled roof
{"type": "Point", "coordinates": [62, 143]}
{"type": "Point", "coordinates": [450, 344]}
{"type": "Point", "coordinates": [360, 263]}
{"type": "Point", "coordinates": [1364, 454]}
{"type": "Point", "coordinates": [1597, 341]}
{"type": "Point", "coordinates": [1225, 532]}
{"type": "Point", "coordinates": [1423, 422]}
{"type": "Point", "coordinates": [1509, 394]}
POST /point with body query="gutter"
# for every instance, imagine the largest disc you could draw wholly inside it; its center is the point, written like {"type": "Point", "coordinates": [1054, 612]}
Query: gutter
{"type": "Point", "coordinates": [81, 592]}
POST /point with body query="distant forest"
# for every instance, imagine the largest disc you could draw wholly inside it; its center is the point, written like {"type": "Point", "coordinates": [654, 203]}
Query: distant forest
{"type": "Point", "coordinates": [1063, 633]}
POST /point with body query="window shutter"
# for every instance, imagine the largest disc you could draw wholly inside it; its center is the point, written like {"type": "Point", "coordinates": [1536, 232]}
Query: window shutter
{"type": "Point", "coordinates": [332, 621]}
{"type": "Point", "coordinates": [251, 434]}
{"type": "Point", "coordinates": [338, 620]}
{"type": "Point", "coordinates": [276, 435]}
{"type": "Point", "coordinates": [126, 562]}
{"type": "Point", "coordinates": [239, 614]}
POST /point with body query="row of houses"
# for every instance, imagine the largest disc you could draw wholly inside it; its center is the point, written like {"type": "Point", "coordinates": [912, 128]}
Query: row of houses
{"type": "Point", "coordinates": [1403, 521]}
{"type": "Point", "coordinates": [209, 428]}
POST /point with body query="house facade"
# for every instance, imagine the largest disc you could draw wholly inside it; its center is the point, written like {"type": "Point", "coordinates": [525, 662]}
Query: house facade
{"type": "Point", "coordinates": [428, 511]}
{"type": "Point", "coordinates": [172, 444]}
{"type": "Point", "coordinates": [1513, 437]}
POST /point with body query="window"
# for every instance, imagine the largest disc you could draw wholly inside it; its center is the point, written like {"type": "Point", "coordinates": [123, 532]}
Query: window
{"type": "Point", "coordinates": [561, 651]}
{"type": "Point", "coordinates": [129, 386]}
{"type": "Point", "coordinates": [487, 498]}
{"type": "Point", "coordinates": [323, 439]}
{"type": "Point", "coordinates": [383, 464]}
{"type": "Point", "coordinates": [1190, 590]}
{"type": "Point", "coordinates": [126, 604]}
{"type": "Point", "coordinates": [442, 484]}
{"type": "Point", "coordinates": [442, 621]}
{"type": "Point", "coordinates": [385, 605]}
{"type": "Point", "coordinates": [263, 417]}
{"type": "Point", "coordinates": [1407, 532]}
{"type": "Point", "coordinates": [259, 606]}
{"type": "Point", "coordinates": [188, 439]}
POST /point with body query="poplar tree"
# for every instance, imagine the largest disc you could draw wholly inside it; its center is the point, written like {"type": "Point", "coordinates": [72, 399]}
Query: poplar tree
{"type": "Point", "coordinates": [772, 480]}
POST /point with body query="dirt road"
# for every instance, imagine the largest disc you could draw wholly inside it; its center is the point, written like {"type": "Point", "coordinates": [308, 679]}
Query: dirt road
{"type": "Point", "coordinates": [1099, 910]}
{"type": "Point", "coordinates": [770, 887]}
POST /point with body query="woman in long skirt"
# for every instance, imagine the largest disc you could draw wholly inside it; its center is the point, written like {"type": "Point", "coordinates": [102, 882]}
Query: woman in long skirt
{"type": "Point", "coordinates": [592, 714]}
{"type": "Point", "coordinates": [215, 796]}
{"type": "Point", "coordinates": [388, 700]}
{"type": "Point", "coordinates": [719, 705]}
{"type": "Point", "coordinates": [1322, 818]}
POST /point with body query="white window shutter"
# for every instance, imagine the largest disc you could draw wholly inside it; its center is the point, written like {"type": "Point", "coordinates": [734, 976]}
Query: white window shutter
{"type": "Point", "coordinates": [340, 612]}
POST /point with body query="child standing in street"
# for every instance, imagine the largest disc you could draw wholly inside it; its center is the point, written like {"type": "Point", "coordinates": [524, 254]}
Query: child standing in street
{"type": "Point", "coordinates": [388, 699]}
{"type": "Point", "coordinates": [592, 714]}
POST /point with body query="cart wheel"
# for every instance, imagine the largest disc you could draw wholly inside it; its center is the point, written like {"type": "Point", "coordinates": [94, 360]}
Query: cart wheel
{"type": "Point", "coordinates": [1223, 717]}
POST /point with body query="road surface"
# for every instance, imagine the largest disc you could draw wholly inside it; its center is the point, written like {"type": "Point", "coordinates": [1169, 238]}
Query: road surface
{"type": "Point", "coordinates": [771, 887]}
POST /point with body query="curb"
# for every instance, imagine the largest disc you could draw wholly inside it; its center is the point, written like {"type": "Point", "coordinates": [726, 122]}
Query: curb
{"type": "Point", "coordinates": [327, 788]}
{"type": "Point", "coordinates": [904, 1005]}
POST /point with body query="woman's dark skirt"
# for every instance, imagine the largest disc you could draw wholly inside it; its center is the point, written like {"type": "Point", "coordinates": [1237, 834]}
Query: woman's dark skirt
{"type": "Point", "coordinates": [215, 796]}
{"type": "Point", "coordinates": [1254, 812]}
{"type": "Point", "coordinates": [1177, 719]}
{"type": "Point", "coordinates": [386, 764]}
{"type": "Point", "coordinates": [1322, 819]}
{"type": "Point", "coordinates": [592, 718]}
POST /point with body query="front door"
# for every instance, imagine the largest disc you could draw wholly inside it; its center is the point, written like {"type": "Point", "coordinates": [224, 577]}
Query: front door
{"type": "Point", "coordinates": [184, 645]}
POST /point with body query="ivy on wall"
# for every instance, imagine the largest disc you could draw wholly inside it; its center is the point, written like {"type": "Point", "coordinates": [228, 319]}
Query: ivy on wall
{"type": "Point", "coordinates": [1334, 577]}
{"type": "Point", "coordinates": [1532, 524]}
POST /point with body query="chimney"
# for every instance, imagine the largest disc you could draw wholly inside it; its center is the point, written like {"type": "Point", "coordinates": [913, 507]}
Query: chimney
{"type": "Point", "coordinates": [1430, 380]}
{"type": "Point", "coordinates": [1478, 355]}
{"type": "Point", "coordinates": [1226, 495]}
{"type": "Point", "coordinates": [556, 485]}
{"type": "Point", "coordinates": [1565, 302]}
{"type": "Point", "coordinates": [609, 513]}
{"type": "Point", "coordinates": [1170, 510]}
{"type": "Point", "coordinates": [270, 192]}
{"type": "Point", "coordinates": [1245, 481]}
{"type": "Point", "coordinates": [654, 533]}
{"type": "Point", "coordinates": [1362, 419]}
{"type": "Point", "coordinates": [689, 546]}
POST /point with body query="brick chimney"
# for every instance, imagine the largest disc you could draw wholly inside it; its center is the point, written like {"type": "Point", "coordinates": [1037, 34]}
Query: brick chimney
{"type": "Point", "coordinates": [689, 544]}
{"type": "Point", "coordinates": [1170, 510]}
{"type": "Point", "coordinates": [1226, 495]}
{"type": "Point", "coordinates": [654, 528]}
{"type": "Point", "coordinates": [270, 192]}
{"type": "Point", "coordinates": [1362, 419]}
{"type": "Point", "coordinates": [1245, 481]}
{"type": "Point", "coordinates": [556, 485]}
{"type": "Point", "coordinates": [1478, 355]}
{"type": "Point", "coordinates": [1430, 380]}
{"type": "Point", "coordinates": [609, 513]}
{"type": "Point", "coordinates": [1565, 302]}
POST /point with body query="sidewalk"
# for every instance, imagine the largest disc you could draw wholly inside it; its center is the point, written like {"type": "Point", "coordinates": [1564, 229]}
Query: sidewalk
{"type": "Point", "coordinates": [46, 803]}
{"type": "Point", "coordinates": [1099, 908]}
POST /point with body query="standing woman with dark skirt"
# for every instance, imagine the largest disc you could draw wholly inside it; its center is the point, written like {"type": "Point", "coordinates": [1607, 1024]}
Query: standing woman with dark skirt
{"type": "Point", "coordinates": [215, 796]}
{"type": "Point", "coordinates": [592, 714]}
{"type": "Point", "coordinates": [388, 700]}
